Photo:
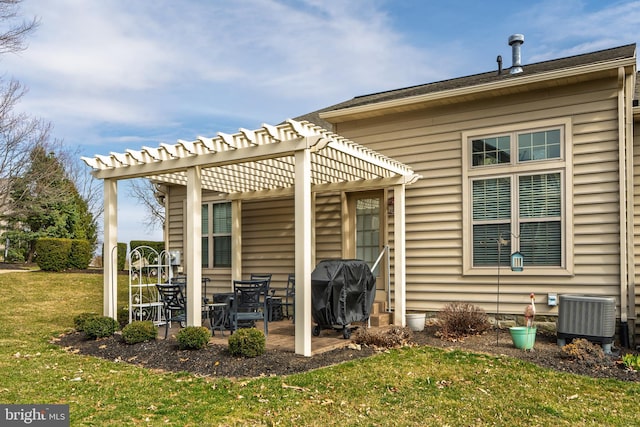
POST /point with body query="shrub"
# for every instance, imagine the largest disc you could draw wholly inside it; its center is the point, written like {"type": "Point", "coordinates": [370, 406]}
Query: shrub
{"type": "Point", "coordinates": [459, 320]}
{"type": "Point", "coordinates": [14, 255]}
{"type": "Point", "coordinates": [123, 316]}
{"type": "Point", "coordinates": [80, 254]}
{"type": "Point", "coordinates": [193, 337]}
{"type": "Point", "coordinates": [582, 350]}
{"type": "Point", "coordinates": [139, 331]}
{"type": "Point", "coordinates": [52, 254]}
{"type": "Point", "coordinates": [80, 320]}
{"type": "Point", "coordinates": [248, 342]}
{"type": "Point", "coordinates": [122, 256]}
{"type": "Point", "coordinates": [393, 337]}
{"type": "Point", "coordinates": [631, 361]}
{"type": "Point", "coordinates": [100, 327]}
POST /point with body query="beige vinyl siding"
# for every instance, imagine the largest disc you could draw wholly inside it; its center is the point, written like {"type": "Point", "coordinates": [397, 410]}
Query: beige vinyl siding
{"type": "Point", "coordinates": [268, 244]}
{"type": "Point", "coordinates": [636, 209]}
{"type": "Point", "coordinates": [267, 239]}
{"type": "Point", "coordinates": [175, 216]}
{"type": "Point", "coordinates": [328, 226]}
{"type": "Point", "coordinates": [267, 236]}
{"type": "Point", "coordinates": [430, 142]}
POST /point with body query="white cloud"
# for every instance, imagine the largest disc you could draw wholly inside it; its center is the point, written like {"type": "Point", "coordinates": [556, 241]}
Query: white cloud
{"type": "Point", "coordinates": [574, 27]}
{"type": "Point", "coordinates": [112, 60]}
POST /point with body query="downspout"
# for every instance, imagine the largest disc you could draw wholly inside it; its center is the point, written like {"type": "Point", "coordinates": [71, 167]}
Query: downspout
{"type": "Point", "coordinates": [631, 270]}
{"type": "Point", "coordinates": [622, 176]}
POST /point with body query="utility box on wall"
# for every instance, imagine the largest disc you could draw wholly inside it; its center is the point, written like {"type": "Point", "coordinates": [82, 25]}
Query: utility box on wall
{"type": "Point", "coordinates": [589, 317]}
{"type": "Point", "coordinates": [176, 257]}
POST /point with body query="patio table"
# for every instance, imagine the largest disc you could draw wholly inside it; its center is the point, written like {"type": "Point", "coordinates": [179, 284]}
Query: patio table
{"type": "Point", "coordinates": [222, 320]}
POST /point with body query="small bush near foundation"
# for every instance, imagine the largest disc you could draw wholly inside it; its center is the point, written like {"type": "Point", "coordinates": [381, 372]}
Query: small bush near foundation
{"type": "Point", "coordinates": [139, 331]}
{"type": "Point", "coordinates": [193, 337]}
{"type": "Point", "coordinates": [123, 316]}
{"type": "Point", "coordinates": [248, 342]}
{"type": "Point", "coordinates": [80, 320]}
{"type": "Point", "coordinates": [458, 320]}
{"type": "Point", "coordinates": [631, 361]}
{"type": "Point", "coordinates": [584, 351]}
{"type": "Point", "coordinates": [100, 327]}
{"type": "Point", "coordinates": [392, 337]}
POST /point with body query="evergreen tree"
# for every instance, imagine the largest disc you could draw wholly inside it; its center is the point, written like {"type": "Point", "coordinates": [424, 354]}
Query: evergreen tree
{"type": "Point", "coordinates": [46, 203]}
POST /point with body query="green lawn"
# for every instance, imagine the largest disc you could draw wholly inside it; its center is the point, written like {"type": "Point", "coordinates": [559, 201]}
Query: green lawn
{"type": "Point", "coordinates": [413, 386]}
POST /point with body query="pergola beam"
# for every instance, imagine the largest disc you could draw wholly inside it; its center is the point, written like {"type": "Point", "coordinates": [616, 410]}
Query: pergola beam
{"type": "Point", "coordinates": [208, 160]}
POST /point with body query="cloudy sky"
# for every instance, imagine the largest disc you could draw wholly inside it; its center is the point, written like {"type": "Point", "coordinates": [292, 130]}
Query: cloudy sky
{"type": "Point", "coordinates": [117, 74]}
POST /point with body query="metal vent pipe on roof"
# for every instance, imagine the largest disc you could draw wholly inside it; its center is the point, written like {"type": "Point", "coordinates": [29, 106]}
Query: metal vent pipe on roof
{"type": "Point", "coordinates": [515, 41]}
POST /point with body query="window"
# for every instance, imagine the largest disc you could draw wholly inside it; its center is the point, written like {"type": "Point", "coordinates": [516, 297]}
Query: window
{"type": "Point", "coordinates": [368, 229]}
{"type": "Point", "coordinates": [518, 199]}
{"type": "Point", "coordinates": [539, 145]}
{"type": "Point", "coordinates": [216, 235]}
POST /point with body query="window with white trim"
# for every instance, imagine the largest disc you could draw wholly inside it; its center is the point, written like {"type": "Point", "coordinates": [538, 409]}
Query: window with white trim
{"type": "Point", "coordinates": [515, 187]}
{"type": "Point", "coordinates": [216, 235]}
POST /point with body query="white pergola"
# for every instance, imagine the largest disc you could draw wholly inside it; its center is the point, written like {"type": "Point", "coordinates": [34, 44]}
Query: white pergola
{"type": "Point", "coordinates": [290, 159]}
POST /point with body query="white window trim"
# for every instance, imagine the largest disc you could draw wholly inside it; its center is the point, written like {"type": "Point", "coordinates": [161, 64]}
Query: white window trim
{"type": "Point", "coordinates": [564, 165]}
{"type": "Point", "coordinates": [209, 203]}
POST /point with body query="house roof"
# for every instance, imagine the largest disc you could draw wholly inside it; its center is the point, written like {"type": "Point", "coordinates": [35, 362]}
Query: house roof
{"type": "Point", "coordinates": [623, 55]}
{"type": "Point", "coordinates": [258, 163]}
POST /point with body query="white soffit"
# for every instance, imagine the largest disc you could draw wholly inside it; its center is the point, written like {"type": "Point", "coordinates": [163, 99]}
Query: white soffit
{"type": "Point", "coordinates": [261, 160]}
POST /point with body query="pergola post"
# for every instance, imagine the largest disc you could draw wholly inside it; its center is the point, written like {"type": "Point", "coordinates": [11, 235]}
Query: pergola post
{"type": "Point", "coordinates": [110, 261]}
{"type": "Point", "coordinates": [194, 246]}
{"type": "Point", "coordinates": [303, 252]}
{"type": "Point", "coordinates": [400, 288]}
{"type": "Point", "coordinates": [236, 240]}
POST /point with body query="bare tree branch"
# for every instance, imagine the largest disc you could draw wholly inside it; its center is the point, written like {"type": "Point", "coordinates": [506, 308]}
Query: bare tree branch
{"type": "Point", "coordinates": [18, 134]}
{"type": "Point", "coordinates": [150, 197]}
{"type": "Point", "coordinates": [13, 38]}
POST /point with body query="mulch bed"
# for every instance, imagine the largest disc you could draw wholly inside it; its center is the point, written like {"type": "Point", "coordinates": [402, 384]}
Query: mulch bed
{"type": "Point", "coordinates": [216, 361]}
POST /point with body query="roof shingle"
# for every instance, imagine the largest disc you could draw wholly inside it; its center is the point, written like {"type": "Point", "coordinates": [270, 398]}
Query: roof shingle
{"type": "Point", "coordinates": [621, 52]}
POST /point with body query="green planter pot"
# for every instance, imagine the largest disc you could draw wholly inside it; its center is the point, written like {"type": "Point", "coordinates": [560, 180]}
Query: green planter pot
{"type": "Point", "coordinates": [523, 337]}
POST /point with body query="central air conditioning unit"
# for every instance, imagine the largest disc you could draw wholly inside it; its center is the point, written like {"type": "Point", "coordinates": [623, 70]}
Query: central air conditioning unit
{"type": "Point", "coordinates": [589, 317]}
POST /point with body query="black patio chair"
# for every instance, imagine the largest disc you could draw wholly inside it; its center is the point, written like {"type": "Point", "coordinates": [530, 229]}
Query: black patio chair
{"type": "Point", "coordinates": [205, 294]}
{"type": "Point", "coordinates": [250, 303]}
{"type": "Point", "coordinates": [181, 280]}
{"type": "Point", "coordinates": [290, 296]}
{"type": "Point", "coordinates": [267, 277]}
{"type": "Point", "coordinates": [174, 308]}
{"type": "Point", "coordinates": [261, 276]}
